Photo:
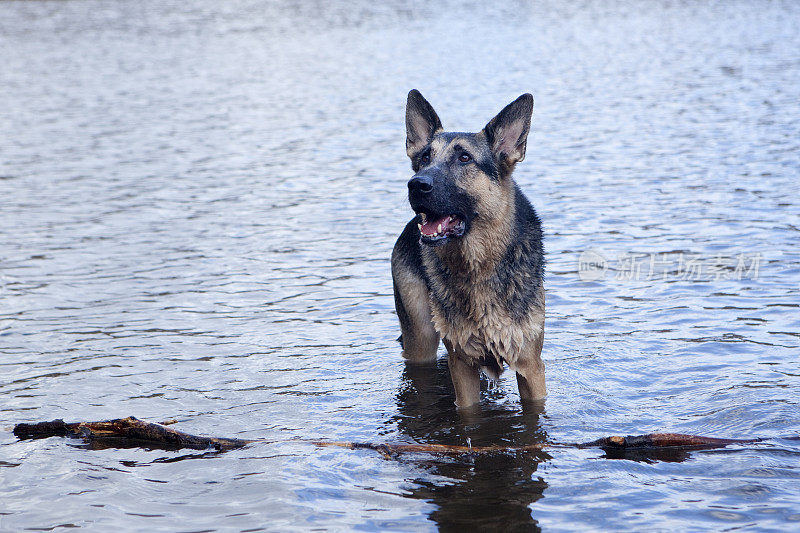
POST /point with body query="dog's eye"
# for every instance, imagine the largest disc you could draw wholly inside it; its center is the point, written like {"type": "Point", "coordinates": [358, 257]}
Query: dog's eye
{"type": "Point", "coordinates": [465, 158]}
{"type": "Point", "coordinates": [425, 159]}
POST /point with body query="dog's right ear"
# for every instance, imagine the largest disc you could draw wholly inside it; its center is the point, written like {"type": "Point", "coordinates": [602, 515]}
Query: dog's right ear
{"type": "Point", "coordinates": [422, 123]}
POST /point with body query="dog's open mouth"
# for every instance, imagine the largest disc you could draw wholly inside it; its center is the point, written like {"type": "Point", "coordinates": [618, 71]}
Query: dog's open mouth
{"type": "Point", "coordinates": [436, 228]}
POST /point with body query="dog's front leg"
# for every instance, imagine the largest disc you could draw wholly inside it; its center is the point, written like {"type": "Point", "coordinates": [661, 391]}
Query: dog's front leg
{"type": "Point", "coordinates": [531, 386]}
{"type": "Point", "coordinates": [529, 364]}
{"type": "Point", "coordinates": [466, 379]}
{"type": "Point", "coordinates": [530, 374]}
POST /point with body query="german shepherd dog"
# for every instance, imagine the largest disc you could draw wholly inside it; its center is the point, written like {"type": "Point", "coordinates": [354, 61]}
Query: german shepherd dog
{"type": "Point", "coordinates": [469, 266]}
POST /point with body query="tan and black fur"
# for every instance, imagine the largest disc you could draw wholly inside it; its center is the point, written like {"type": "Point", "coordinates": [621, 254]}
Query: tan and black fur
{"type": "Point", "coordinates": [469, 267]}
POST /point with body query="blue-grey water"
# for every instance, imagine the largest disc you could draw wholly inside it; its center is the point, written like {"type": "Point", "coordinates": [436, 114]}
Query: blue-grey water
{"type": "Point", "coordinates": [198, 201]}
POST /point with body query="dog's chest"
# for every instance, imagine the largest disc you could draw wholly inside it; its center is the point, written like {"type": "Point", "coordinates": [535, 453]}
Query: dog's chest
{"type": "Point", "coordinates": [474, 319]}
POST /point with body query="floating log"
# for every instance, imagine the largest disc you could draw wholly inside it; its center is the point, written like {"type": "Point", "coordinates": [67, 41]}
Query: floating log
{"type": "Point", "coordinates": [131, 431]}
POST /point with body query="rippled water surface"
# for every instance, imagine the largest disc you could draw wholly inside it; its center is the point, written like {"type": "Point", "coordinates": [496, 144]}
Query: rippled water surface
{"type": "Point", "coordinates": [197, 206]}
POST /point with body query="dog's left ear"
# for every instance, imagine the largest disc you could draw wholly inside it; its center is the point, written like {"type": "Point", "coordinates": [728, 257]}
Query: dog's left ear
{"type": "Point", "coordinates": [507, 133]}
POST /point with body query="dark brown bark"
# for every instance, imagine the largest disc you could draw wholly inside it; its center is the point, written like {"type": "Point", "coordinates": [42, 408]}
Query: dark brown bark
{"type": "Point", "coordinates": [130, 430]}
{"type": "Point", "coordinates": [662, 440]}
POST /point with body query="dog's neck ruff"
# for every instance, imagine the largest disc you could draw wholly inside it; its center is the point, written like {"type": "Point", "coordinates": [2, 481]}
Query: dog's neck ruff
{"type": "Point", "coordinates": [477, 254]}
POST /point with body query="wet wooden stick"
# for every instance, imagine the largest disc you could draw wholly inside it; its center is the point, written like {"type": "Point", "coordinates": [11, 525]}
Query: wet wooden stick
{"type": "Point", "coordinates": [134, 431]}
{"type": "Point", "coordinates": [130, 429]}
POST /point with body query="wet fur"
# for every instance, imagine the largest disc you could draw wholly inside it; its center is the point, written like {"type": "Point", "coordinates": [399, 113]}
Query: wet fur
{"type": "Point", "coordinates": [481, 293]}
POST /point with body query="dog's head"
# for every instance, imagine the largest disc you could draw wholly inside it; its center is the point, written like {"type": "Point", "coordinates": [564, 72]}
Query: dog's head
{"type": "Point", "coordinates": [462, 178]}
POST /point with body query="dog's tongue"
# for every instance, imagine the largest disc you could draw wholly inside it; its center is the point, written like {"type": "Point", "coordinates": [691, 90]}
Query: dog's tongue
{"type": "Point", "coordinates": [440, 225]}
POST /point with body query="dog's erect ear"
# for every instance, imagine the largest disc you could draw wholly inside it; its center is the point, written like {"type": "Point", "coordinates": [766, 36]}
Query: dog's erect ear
{"type": "Point", "coordinates": [422, 123]}
{"type": "Point", "coordinates": [507, 133]}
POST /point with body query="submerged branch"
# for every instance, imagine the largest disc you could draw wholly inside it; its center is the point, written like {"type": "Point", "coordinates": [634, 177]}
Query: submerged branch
{"type": "Point", "coordinates": [446, 449]}
{"type": "Point", "coordinates": [131, 431]}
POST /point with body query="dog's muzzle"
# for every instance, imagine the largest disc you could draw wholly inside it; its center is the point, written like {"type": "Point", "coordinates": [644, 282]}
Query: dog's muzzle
{"type": "Point", "coordinates": [434, 227]}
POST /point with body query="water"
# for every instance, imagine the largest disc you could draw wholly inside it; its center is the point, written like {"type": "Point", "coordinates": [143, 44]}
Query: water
{"type": "Point", "coordinates": [198, 205]}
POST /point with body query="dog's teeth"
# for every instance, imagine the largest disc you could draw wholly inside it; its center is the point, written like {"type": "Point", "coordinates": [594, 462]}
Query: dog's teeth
{"type": "Point", "coordinates": [419, 226]}
{"type": "Point", "coordinates": [439, 229]}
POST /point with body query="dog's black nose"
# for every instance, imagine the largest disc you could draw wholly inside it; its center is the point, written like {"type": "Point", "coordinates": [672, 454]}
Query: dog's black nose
{"type": "Point", "coordinates": [422, 184]}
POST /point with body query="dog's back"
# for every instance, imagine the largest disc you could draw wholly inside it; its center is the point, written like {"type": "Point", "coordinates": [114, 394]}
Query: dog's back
{"type": "Point", "coordinates": [469, 267]}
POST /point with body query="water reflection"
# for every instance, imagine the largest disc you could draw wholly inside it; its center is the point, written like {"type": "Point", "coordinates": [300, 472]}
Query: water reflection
{"type": "Point", "coordinates": [481, 491]}
{"type": "Point", "coordinates": [654, 455]}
